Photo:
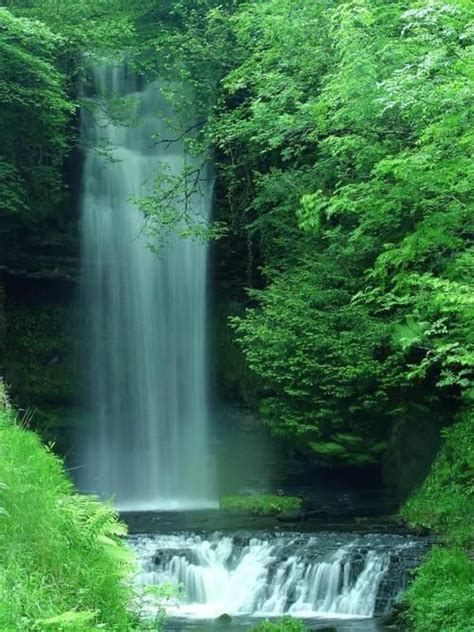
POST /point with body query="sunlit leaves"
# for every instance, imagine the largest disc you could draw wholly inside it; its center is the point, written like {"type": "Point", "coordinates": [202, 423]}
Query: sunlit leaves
{"type": "Point", "coordinates": [372, 155]}
{"type": "Point", "coordinates": [35, 111]}
{"type": "Point", "coordinates": [319, 351]}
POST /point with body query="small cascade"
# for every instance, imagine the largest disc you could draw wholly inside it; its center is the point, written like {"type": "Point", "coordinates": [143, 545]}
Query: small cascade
{"type": "Point", "coordinates": [338, 576]}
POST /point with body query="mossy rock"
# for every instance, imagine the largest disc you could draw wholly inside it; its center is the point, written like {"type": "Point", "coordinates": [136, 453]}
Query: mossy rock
{"type": "Point", "coordinates": [262, 505]}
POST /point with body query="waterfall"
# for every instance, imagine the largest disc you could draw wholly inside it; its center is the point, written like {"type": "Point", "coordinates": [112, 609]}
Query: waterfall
{"type": "Point", "coordinates": [145, 440]}
{"type": "Point", "coordinates": [330, 576]}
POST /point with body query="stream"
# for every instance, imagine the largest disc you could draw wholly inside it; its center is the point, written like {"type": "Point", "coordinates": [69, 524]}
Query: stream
{"type": "Point", "coordinates": [339, 576]}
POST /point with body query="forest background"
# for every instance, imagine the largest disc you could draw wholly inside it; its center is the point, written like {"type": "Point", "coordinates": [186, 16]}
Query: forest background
{"type": "Point", "coordinates": [342, 137]}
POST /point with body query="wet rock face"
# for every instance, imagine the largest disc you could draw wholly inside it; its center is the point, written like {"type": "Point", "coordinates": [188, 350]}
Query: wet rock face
{"type": "Point", "coordinates": [163, 557]}
{"type": "Point", "coordinates": [39, 270]}
{"type": "Point", "coordinates": [412, 448]}
{"type": "Point", "coordinates": [43, 250]}
{"type": "Point", "coordinates": [396, 580]}
{"type": "Point", "coordinates": [38, 359]}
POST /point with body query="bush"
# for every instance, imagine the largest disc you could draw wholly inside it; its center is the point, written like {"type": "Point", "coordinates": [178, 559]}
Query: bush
{"type": "Point", "coordinates": [261, 505]}
{"type": "Point", "coordinates": [442, 595]}
{"type": "Point", "coordinates": [63, 565]}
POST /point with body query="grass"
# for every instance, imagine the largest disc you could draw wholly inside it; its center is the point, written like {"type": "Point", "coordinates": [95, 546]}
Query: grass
{"type": "Point", "coordinates": [262, 505]}
{"type": "Point", "coordinates": [445, 502]}
{"type": "Point", "coordinates": [63, 564]}
{"type": "Point", "coordinates": [441, 596]}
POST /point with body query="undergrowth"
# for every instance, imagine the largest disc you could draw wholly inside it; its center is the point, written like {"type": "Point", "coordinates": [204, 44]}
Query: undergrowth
{"type": "Point", "coordinates": [442, 594]}
{"type": "Point", "coordinates": [63, 564]}
{"type": "Point", "coordinates": [445, 502]}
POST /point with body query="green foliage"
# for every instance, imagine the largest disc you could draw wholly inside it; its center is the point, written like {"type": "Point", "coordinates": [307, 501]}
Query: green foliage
{"type": "Point", "coordinates": [86, 25]}
{"type": "Point", "coordinates": [345, 135]}
{"type": "Point", "coordinates": [235, 382]}
{"type": "Point", "coordinates": [34, 115]}
{"type": "Point", "coordinates": [63, 565]}
{"type": "Point", "coordinates": [342, 133]}
{"type": "Point", "coordinates": [191, 41]}
{"type": "Point", "coordinates": [42, 63]}
{"type": "Point", "coordinates": [287, 624]}
{"type": "Point", "coordinates": [445, 502]}
{"type": "Point", "coordinates": [261, 505]}
{"type": "Point", "coordinates": [442, 595]}
{"type": "Point", "coordinates": [320, 357]}
{"type": "Point", "coordinates": [169, 208]}
{"type": "Point", "coordinates": [350, 448]}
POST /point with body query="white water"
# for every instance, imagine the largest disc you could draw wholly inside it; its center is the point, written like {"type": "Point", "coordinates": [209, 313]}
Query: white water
{"type": "Point", "coordinates": [311, 577]}
{"type": "Point", "coordinates": [146, 442]}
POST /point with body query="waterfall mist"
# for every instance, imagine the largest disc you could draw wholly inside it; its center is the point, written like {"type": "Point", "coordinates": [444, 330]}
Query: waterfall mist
{"type": "Point", "coordinates": [145, 439]}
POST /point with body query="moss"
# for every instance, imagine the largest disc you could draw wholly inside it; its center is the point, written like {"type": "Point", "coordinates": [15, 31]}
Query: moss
{"type": "Point", "coordinates": [50, 419]}
{"type": "Point", "coordinates": [262, 505]}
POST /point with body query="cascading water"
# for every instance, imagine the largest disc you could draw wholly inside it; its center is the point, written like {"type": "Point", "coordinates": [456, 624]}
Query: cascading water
{"type": "Point", "coordinates": [147, 386]}
{"type": "Point", "coordinates": [325, 575]}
